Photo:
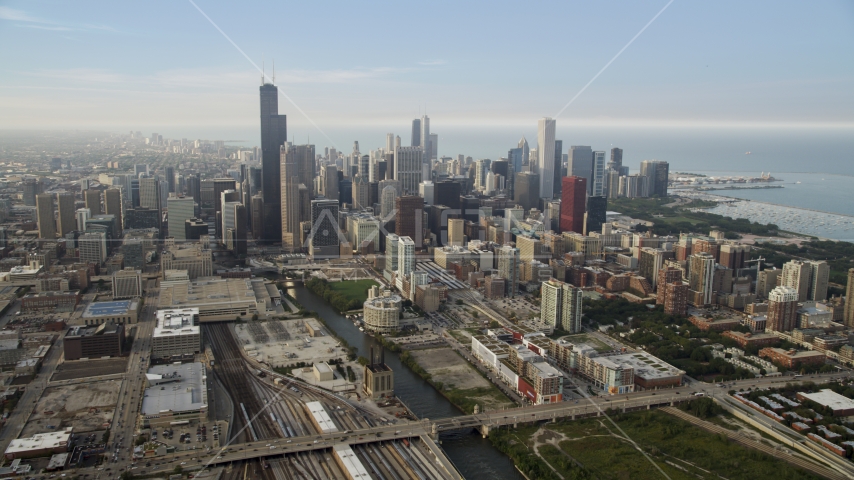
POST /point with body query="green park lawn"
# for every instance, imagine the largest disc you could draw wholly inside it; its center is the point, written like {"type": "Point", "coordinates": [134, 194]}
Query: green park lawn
{"type": "Point", "coordinates": [353, 289]}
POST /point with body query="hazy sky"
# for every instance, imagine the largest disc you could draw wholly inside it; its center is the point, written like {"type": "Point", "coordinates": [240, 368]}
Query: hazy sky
{"type": "Point", "coordinates": [126, 64]}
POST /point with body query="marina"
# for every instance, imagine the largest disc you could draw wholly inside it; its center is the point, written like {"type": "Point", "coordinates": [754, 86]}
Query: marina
{"type": "Point", "coordinates": [824, 225]}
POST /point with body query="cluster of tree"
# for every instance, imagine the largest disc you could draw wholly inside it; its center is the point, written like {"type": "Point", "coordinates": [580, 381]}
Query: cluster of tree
{"type": "Point", "coordinates": [337, 300]}
{"type": "Point", "coordinates": [703, 407]}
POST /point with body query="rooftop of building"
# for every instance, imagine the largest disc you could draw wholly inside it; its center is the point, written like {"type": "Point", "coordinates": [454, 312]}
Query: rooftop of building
{"type": "Point", "coordinates": [830, 399]}
{"type": "Point", "coordinates": [646, 365]}
{"type": "Point", "coordinates": [796, 354]}
{"type": "Point", "coordinates": [212, 290]}
{"type": "Point", "coordinates": [69, 293]}
{"type": "Point", "coordinates": [90, 331]}
{"type": "Point", "coordinates": [321, 417]}
{"type": "Point", "coordinates": [175, 388]}
{"type": "Point", "coordinates": [177, 322]}
{"type": "Point", "coordinates": [118, 307]}
{"type": "Point", "coordinates": [40, 441]}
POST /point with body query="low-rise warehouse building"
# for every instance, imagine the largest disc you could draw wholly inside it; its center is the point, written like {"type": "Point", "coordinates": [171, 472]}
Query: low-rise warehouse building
{"type": "Point", "coordinates": [54, 301]}
{"type": "Point", "coordinates": [176, 393]}
{"type": "Point", "coordinates": [745, 340]}
{"type": "Point", "coordinates": [39, 445]}
{"type": "Point", "coordinates": [122, 311]}
{"type": "Point", "coordinates": [792, 358]}
{"type": "Point", "coordinates": [840, 405]}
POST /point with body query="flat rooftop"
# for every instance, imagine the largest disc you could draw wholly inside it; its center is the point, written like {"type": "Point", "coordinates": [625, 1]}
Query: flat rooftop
{"type": "Point", "coordinates": [118, 307]}
{"type": "Point", "coordinates": [175, 388]}
{"type": "Point", "coordinates": [646, 366]}
{"type": "Point", "coordinates": [321, 417]}
{"type": "Point", "coordinates": [40, 441]}
{"type": "Point", "coordinates": [176, 321]}
{"type": "Point", "coordinates": [830, 399]}
{"type": "Point", "coordinates": [90, 331]}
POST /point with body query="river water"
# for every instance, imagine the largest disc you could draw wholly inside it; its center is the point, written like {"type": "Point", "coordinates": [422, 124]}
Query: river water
{"type": "Point", "coordinates": [474, 456]}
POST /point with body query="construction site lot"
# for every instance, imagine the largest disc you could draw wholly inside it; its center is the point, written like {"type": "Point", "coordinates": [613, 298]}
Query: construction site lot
{"type": "Point", "coordinates": [89, 368]}
{"type": "Point", "coordinates": [458, 380]}
{"type": "Point", "coordinates": [85, 406]}
{"type": "Point", "coordinates": [281, 343]}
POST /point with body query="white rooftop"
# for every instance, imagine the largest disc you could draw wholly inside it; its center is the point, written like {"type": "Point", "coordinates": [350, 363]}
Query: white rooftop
{"type": "Point", "coordinates": [178, 321]}
{"type": "Point", "coordinates": [40, 441]}
{"type": "Point", "coordinates": [175, 388]}
{"type": "Point", "coordinates": [829, 399]}
{"type": "Point", "coordinates": [321, 417]}
{"type": "Point", "coordinates": [351, 462]}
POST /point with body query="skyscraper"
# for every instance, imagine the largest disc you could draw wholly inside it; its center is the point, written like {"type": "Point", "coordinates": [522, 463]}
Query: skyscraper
{"type": "Point", "coordinates": [597, 209]}
{"type": "Point", "coordinates": [581, 164]}
{"type": "Point", "coordinates": [526, 190]}
{"type": "Point", "coordinates": [782, 309]}
{"type": "Point", "coordinates": [701, 272]}
{"type": "Point", "coordinates": [274, 134]}
{"type": "Point", "coordinates": [67, 220]}
{"type": "Point", "coordinates": [387, 197]}
{"type": "Point", "coordinates": [149, 195]}
{"type": "Point", "coordinates": [573, 204]}
{"type": "Point", "coordinates": [796, 274]}
{"type": "Point", "coordinates": [819, 275]}
{"type": "Point", "coordinates": [657, 173]}
{"type": "Point", "coordinates": [558, 169]}
{"type": "Point", "coordinates": [650, 262]}
{"type": "Point", "coordinates": [526, 151]}
{"type": "Point", "coordinates": [181, 209]}
{"type": "Point", "coordinates": [289, 201]}
{"type": "Point", "coordinates": [44, 214]}
{"type": "Point", "coordinates": [508, 268]}
{"type": "Point", "coordinates": [113, 206]}
{"type": "Point", "coordinates": [546, 156]}
{"type": "Point", "coordinates": [324, 238]}
{"type": "Point", "coordinates": [92, 199]}
{"type": "Point", "coordinates": [409, 218]}
{"type": "Point", "coordinates": [405, 259]}
{"type": "Point", "coordinates": [598, 189]}
{"type": "Point", "coordinates": [448, 193]}
{"type": "Point", "coordinates": [407, 168]}
{"type": "Point", "coordinates": [848, 316]}
{"type": "Point", "coordinates": [616, 159]}
{"type": "Point", "coordinates": [416, 133]}
{"type": "Point", "coordinates": [170, 179]}
{"type": "Point", "coordinates": [560, 305]}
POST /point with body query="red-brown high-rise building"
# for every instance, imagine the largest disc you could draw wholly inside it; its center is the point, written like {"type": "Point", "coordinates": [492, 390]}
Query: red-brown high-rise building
{"type": "Point", "coordinates": [572, 204]}
{"type": "Point", "coordinates": [665, 276]}
{"type": "Point", "coordinates": [675, 298]}
{"type": "Point", "coordinates": [707, 246]}
{"type": "Point", "coordinates": [782, 309]}
{"type": "Point", "coordinates": [408, 220]}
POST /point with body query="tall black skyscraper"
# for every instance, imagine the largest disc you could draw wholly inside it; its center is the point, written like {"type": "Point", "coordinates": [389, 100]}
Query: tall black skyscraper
{"type": "Point", "coordinates": [558, 167]}
{"type": "Point", "coordinates": [274, 133]}
{"type": "Point", "coordinates": [596, 213]}
{"type": "Point", "coordinates": [170, 178]}
{"type": "Point", "coordinates": [616, 159]}
{"type": "Point", "coordinates": [416, 133]}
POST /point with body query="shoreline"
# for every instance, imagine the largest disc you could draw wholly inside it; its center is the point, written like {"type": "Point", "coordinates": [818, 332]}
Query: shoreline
{"type": "Point", "coordinates": [785, 206]}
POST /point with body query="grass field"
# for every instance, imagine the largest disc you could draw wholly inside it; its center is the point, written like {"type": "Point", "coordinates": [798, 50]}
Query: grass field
{"type": "Point", "coordinates": [599, 345]}
{"type": "Point", "coordinates": [353, 289]}
{"type": "Point", "coordinates": [594, 448]}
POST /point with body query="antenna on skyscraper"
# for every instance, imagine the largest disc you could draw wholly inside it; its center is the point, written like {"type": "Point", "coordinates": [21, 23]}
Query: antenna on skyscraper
{"type": "Point", "coordinates": [274, 71]}
{"type": "Point", "coordinates": [263, 75]}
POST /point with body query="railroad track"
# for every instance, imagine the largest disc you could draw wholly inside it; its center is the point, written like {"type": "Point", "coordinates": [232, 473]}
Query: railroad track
{"type": "Point", "coordinates": [796, 461]}
{"type": "Point", "coordinates": [270, 411]}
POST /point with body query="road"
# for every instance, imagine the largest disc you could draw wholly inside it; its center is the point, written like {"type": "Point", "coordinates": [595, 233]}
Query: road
{"type": "Point", "coordinates": [130, 395]}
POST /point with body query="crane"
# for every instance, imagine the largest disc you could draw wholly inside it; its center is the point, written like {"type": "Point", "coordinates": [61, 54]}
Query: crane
{"type": "Point", "coordinates": [758, 265]}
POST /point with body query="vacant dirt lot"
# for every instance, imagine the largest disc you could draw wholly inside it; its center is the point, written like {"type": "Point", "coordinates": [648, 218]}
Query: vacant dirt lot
{"type": "Point", "coordinates": [449, 368]}
{"type": "Point", "coordinates": [90, 368]}
{"type": "Point", "coordinates": [84, 406]}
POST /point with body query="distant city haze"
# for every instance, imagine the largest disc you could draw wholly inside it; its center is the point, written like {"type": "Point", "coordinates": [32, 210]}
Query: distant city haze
{"type": "Point", "coordinates": [703, 65]}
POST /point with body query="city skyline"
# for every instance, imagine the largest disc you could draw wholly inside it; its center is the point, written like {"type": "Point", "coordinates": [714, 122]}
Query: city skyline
{"type": "Point", "coordinates": [678, 72]}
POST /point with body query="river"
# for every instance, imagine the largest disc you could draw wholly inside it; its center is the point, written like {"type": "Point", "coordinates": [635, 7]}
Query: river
{"type": "Point", "coordinates": [474, 456]}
